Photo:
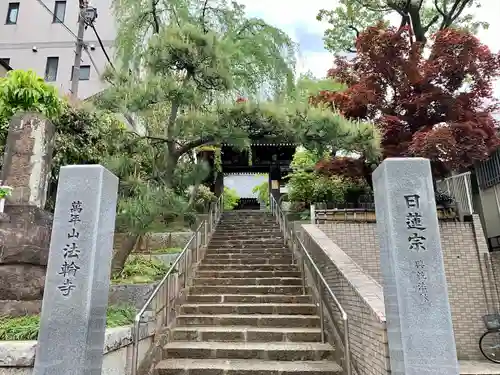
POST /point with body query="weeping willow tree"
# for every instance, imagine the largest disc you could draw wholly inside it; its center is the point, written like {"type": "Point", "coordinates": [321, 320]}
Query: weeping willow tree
{"type": "Point", "coordinates": [262, 56]}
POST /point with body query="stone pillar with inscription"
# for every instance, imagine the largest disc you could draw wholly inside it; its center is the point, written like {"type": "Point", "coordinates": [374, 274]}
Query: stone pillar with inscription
{"type": "Point", "coordinates": [419, 325]}
{"type": "Point", "coordinates": [24, 225]}
{"type": "Point", "coordinates": [73, 319]}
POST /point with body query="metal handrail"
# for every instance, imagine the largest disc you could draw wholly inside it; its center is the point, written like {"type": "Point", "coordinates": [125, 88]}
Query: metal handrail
{"type": "Point", "coordinates": [292, 236]}
{"type": "Point", "coordinates": [208, 228]}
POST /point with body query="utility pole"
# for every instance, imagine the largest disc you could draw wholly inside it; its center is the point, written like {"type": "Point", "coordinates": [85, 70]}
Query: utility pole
{"type": "Point", "coordinates": [75, 79]}
{"type": "Point", "coordinates": [86, 17]}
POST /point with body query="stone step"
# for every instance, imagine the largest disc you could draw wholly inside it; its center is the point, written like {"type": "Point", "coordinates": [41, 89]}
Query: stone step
{"type": "Point", "coordinates": [249, 334]}
{"type": "Point", "coordinates": [262, 223]}
{"type": "Point", "coordinates": [245, 255]}
{"type": "Point", "coordinates": [248, 226]}
{"type": "Point", "coordinates": [289, 281]}
{"type": "Point", "coordinates": [264, 231]}
{"type": "Point", "coordinates": [231, 252]}
{"type": "Point", "coordinates": [254, 320]}
{"type": "Point", "coordinates": [205, 266]}
{"type": "Point", "coordinates": [246, 274]}
{"type": "Point", "coordinates": [248, 260]}
{"type": "Point", "coordinates": [249, 250]}
{"type": "Point", "coordinates": [266, 243]}
{"type": "Point", "coordinates": [255, 219]}
{"type": "Point", "coordinates": [254, 289]}
{"type": "Point", "coordinates": [245, 235]}
{"type": "Point", "coordinates": [247, 298]}
{"type": "Point", "coordinates": [249, 308]}
{"type": "Point", "coordinates": [245, 367]}
{"type": "Point", "coordinates": [231, 248]}
{"type": "Point", "coordinates": [242, 246]}
{"type": "Point", "coordinates": [263, 217]}
{"type": "Point", "coordinates": [274, 351]}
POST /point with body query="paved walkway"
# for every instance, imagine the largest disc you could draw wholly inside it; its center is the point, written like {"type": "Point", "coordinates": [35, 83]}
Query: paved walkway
{"type": "Point", "coordinates": [479, 368]}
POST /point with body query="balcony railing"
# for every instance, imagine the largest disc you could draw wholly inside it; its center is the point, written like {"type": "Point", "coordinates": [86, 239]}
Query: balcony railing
{"type": "Point", "coordinates": [459, 187]}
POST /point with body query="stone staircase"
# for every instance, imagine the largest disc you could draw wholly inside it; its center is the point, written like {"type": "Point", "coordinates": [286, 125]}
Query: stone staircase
{"type": "Point", "coordinates": [245, 312]}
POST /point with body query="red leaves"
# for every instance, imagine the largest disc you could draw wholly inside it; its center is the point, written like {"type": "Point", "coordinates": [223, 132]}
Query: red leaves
{"type": "Point", "coordinates": [241, 100]}
{"type": "Point", "coordinates": [434, 107]}
{"type": "Point", "coordinates": [342, 166]}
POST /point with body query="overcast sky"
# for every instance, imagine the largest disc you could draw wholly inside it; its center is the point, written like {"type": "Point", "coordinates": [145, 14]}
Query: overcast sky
{"type": "Point", "coordinates": [298, 19]}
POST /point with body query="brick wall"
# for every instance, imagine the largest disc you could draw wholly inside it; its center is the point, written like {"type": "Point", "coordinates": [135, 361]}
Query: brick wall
{"type": "Point", "coordinates": [361, 297]}
{"type": "Point", "coordinates": [470, 291]}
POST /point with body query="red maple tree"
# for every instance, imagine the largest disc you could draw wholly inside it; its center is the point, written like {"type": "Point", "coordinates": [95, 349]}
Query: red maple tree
{"type": "Point", "coordinates": [439, 107]}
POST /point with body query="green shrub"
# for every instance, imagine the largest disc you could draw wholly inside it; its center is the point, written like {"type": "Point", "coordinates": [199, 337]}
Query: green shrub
{"type": "Point", "coordinates": [140, 269]}
{"type": "Point", "coordinates": [27, 327]}
{"type": "Point", "coordinates": [262, 191]}
{"type": "Point", "coordinates": [231, 199]}
{"type": "Point", "coordinates": [25, 91]}
{"type": "Point", "coordinates": [204, 198]}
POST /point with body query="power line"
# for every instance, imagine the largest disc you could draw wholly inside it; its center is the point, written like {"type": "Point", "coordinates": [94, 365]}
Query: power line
{"type": "Point", "coordinates": [102, 46]}
{"type": "Point", "coordinates": [57, 18]}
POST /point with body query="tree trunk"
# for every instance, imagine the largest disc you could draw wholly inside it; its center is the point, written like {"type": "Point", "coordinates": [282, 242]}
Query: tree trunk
{"type": "Point", "coordinates": [171, 164]}
{"type": "Point", "coordinates": [120, 256]}
{"type": "Point", "coordinates": [367, 175]}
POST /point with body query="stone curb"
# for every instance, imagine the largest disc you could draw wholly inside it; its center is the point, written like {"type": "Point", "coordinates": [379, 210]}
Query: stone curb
{"type": "Point", "coordinates": [22, 353]}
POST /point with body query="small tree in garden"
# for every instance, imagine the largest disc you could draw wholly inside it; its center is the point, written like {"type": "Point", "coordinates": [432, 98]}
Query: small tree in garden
{"type": "Point", "coordinates": [438, 107]}
{"type": "Point", "coordinates": [143, 200]}
{"type": "Point", "coordinates": [306, 187]}
{"type": "Point", "coordinates": [22, 91]}
{"type": "Point", "coordinates": [82, 134]}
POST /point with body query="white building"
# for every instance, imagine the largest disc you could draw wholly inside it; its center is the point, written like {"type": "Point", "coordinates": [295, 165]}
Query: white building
{"type": "Point", "coordinates": [41, 35]}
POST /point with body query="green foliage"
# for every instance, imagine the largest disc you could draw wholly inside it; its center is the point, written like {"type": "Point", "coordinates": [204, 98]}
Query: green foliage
{"type": "Point", "coordinates": [19, 328]}
{"type": "Point", "coordinates": [26, 328]}
{"type": "Point", "coordinates": [307, 187]}
{"type": "Point", "coordinates": [83, 136]}
{"type": "Point", "coordinates": [25, 91]}
{"type": "Point", "coordinates": [194, 62]}
{"type": "Point", "coordinates": [262, 191]}
{"type": "Point", "coordinates": [304, 160]}
{"type": "Point", "coordinates": [119, 316]}
{"type": "Point", "coordinates": [443, 198]}
{"type": "Point", "coordinates": [5, 192]}
{"type": "Point", "coordinates": [310, 188]}
{"type": "Point", "coordinates": [307, 85]}
{"type": "Point", "coordinates": [350, 17]}
{"type": "Point", "coordinates": [141, 270]}
{"type": "Point", "coordinates": [261, 56]}
{"type": "Point", "coordinates": [138, 212]}
{"type": "Point", "coordinates": [231, 199]}
{"type": "Point", "coordinates": [203, 199]}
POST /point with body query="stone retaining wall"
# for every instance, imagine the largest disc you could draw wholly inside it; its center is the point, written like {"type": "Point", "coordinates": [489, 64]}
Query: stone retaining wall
{"type": "Point", "coordinates": [361, 297]}
{"type": "Point", "coordinates": [471, 293]}
{"type": "Point", "coordinates": [18, 357]}
{"type": "Point", "coordinates": [156, 241]}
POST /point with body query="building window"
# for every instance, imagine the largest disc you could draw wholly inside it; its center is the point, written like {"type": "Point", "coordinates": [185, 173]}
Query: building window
{"type": "Point", "coordinates": [51, 69]}
{"type": "Point", "coordinates": [59, 12]}
{"type": "Point", "coordinates": [84, 72]}
{"type": "Point", "coordinates": [12, 13]}
{"type": "Point", "coordinates": [5, 60]}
